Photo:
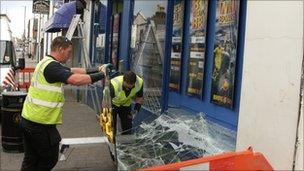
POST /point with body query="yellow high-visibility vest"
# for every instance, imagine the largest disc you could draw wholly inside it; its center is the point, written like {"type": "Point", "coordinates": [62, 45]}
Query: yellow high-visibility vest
{"type": "Point", "coordinates": [120, 98]}
{"type": "Point", "coordinates": [45, 100]}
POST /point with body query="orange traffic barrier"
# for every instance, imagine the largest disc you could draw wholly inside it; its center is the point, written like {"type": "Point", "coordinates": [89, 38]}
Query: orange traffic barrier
{"type": "Point", "coordinates": [245, 160]}
{"type": "Point", "coordinates": [25, 77]}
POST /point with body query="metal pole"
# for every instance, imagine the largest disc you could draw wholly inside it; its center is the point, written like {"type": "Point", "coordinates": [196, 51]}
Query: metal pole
{"type": "Point", "coordinates": [24, 38]}
{"type": "Point", "coordinates": [38, 39]}
{"type": "Point", "coordinates": [24, 21]}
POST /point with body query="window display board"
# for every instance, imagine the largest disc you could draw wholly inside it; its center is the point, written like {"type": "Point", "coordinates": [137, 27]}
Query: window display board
{"type": "Point", "coordinates": [225, 52]}
{"type": "Point", "coordinates": [176, 49]}
{"type": "Point", "coordinates": [198, 23]}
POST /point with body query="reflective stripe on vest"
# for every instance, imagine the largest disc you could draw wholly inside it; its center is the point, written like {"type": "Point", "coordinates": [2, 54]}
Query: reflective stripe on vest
{"type": "Point", "coordinates": [47, 87]}
{"type": "Point", "coordinates": [45, 100]}
{"type": "Point", "coordinates": [43, 103]}
{"type": "Point", "coordinates": [120, 96]}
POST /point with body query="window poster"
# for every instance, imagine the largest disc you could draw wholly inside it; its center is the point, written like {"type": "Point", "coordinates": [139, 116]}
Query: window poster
{"type": "Point", "coordinates": [225, 49]}
{"type": "Point", "coordinates": [176, 49]}
{"type": "Point", "coordinates": [198, 23]}
{"type": "Point", "coordinates": [115, 40]}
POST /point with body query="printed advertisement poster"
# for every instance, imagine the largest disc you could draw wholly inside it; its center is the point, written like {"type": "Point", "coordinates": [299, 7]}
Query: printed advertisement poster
{"type": "Point", "coordinates": [225, 52]}
{"type": "Point", "coordinates": [176, 50]}
{"type": "Point", "coordinates": [115, 40]}
{"type": "Point", "coordinates": [198, 19]}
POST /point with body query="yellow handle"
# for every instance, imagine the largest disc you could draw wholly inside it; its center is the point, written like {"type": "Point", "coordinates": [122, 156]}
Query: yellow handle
{"type": "Point", "coordinates": [106, 122]}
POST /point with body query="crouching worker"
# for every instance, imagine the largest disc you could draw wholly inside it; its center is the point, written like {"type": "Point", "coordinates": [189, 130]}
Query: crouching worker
{"type": "Point", "coordinates": [42, 109]}
{"type": "Point", "coordinates": [123, 89]}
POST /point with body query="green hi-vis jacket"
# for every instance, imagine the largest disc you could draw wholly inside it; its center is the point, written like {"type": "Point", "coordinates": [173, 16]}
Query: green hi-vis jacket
{"type": "Point", "coordinates": [120, 98]}
{"type": "Point", "coordinates": [45, 100]}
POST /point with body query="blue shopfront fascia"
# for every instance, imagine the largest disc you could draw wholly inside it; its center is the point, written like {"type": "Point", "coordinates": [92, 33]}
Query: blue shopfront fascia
{"type": "Point", "coordinates": [221, 115]}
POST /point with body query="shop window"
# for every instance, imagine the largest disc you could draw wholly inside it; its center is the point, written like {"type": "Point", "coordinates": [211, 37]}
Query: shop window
{"type": "Point", "coordinates": [147, 47]}
{"type": "Point", "coordinates": [225, 52]}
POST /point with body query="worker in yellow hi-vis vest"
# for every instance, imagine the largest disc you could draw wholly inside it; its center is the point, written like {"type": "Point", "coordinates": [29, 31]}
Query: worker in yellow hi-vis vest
{"type": "Point", "coordinates": [123, 89]}
{"type": "Point", "coordinates": [42, 109]}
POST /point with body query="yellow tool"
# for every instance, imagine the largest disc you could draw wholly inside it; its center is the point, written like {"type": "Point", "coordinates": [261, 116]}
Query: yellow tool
{"type": "Point", "coordinates": [106, 122]}
{"type": "Point", "coordinates": [106, 117]}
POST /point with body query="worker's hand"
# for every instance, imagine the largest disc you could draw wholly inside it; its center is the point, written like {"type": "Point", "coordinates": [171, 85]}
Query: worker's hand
{"type": "Point", "coordinates": [102, 68]}
{"type": "Point", "coordinates": [133, 113]}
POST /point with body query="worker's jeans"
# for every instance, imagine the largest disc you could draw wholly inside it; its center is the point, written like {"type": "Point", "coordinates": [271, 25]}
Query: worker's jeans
{"type": "Point", "coordinates": [41, 146]}
{"type": "Point", "coordinates": [124, 113]}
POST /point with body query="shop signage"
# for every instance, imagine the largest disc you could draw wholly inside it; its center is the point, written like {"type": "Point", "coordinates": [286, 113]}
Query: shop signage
{"type": "Point", "coordinates": [41, 6]}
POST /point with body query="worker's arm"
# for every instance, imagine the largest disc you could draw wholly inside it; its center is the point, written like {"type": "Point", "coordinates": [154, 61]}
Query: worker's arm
{"type": "Point", "coordinates": [84, 79]}
{"type": "Point", "coordinates": [86, 70]}
{"type": "Point", "coordinates": [112, 91]}
{"type": "Point", "coordinates": [139, 99]}
{"type": "Point", "coordinates": [78, 70]}
{"type": "Point", "coordinates": [55, 72]}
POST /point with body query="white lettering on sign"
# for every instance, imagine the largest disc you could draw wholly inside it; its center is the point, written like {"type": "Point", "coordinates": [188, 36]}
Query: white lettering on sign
{"type": "Point", "coordinates": [196, 54]}
{"type": "Point", "coordinates": [200, 39]}
{"type": "Point", "coordinates": [176, 39]}
{"type": "Point", "coordinates": [175, 55]}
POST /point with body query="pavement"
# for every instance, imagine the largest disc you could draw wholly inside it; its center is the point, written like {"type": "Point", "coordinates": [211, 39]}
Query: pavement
{"type": "Point", "coordinates": [79, 120]}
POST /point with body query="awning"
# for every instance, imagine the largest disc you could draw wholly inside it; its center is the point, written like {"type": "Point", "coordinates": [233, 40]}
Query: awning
{"type": "Point", "coordinates": [61, 18]}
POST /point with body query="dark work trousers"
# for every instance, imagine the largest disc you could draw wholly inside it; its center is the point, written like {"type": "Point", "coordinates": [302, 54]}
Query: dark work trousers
{"type": "Point", "coordinates": [41, 146]}
{"type": "Point", "coordinates": [124, 113]}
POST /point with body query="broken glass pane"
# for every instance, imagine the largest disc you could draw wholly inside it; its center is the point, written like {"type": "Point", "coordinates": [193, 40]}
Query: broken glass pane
{"type": "Point", "coordinates": [170, 138]}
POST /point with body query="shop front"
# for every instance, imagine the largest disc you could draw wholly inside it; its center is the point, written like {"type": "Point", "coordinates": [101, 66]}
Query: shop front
{"type": "Point", "coordinates": [190, 55]}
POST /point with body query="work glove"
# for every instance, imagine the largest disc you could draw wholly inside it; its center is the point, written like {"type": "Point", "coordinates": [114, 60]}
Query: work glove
{"type": "Point", "coordinates": [103, 68]}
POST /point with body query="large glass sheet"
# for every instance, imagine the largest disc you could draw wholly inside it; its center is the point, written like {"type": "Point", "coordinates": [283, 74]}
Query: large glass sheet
{"type": "Point", "coordinates": [147, 48]}
{"type": "Point", "coordinates": [177, 39]}
{"type": "Point", "coordinates": [225, 49]}
{"type": "Point", "coordinates": [147, 55]}
{"type": "Point", "coordinates": [198, 23]}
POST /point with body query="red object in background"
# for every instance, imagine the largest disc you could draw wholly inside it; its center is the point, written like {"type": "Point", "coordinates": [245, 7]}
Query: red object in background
{"type": "Point", "coordinates": [245, 160]}
{"type": "Point", "coordinates": [9, 79]}
{"type": "Point", "coordinates": [25, 77]}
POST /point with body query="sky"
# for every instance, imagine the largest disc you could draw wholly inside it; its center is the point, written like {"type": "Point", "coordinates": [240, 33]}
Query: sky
{"type": "Point", "coordinates": [15, 11]}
